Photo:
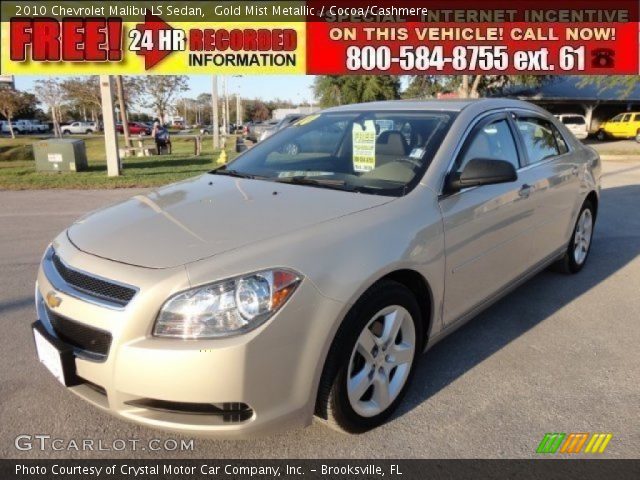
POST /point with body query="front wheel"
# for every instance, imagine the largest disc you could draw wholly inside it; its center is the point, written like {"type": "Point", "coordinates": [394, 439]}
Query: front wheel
{"type": "Point", "coordinates": [601, 136]}
{"type": "Point", "coordinates": [579, 247]}
{"type": "Point", "coordinates": [371, 361]}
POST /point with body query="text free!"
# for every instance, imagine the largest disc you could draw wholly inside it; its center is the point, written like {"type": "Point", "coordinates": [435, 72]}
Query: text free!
{"type": "Point", "coordinates": [100, 39]}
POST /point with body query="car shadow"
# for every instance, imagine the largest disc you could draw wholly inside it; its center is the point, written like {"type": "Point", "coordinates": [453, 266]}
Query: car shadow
{"type": "Point", "coordinates": [16, 304]}
{"type": "Point", "coordinates": [615, 244]}
{"type": "Point", "coordinates": [159, 162]}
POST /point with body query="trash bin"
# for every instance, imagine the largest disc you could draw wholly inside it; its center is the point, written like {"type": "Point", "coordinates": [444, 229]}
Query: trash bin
{"type": "Point", "coordinates": [60, 155]}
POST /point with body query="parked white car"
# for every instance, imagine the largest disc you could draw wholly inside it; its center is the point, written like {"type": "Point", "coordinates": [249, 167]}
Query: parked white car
{"type": "Point", "coordinates": [575, 123]}
{"type": "Point", "coordinates": [25, 126]}
{"type": "Point", "coordinates": [80, 127]}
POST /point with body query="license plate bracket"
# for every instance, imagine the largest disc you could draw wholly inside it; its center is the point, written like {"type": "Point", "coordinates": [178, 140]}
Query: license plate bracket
{"type": "Point", "coordinates": [55, 355]}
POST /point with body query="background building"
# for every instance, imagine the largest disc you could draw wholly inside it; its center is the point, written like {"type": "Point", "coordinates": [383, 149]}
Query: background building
{"type": "Point", "coordinates": [569, 95]}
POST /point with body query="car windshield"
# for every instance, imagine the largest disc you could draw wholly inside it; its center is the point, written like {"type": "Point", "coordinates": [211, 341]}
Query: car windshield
{"type": "Point", "coordinates": [383, 153]}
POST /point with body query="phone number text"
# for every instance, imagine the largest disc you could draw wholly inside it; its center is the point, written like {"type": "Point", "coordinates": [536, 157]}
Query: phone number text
{"type": "Point", "coordinates": [463, 58]}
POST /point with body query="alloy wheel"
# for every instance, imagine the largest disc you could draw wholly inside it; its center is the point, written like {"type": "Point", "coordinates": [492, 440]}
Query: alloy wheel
{"type": "Point", "coordinates": [381, 361]}
{"type": "Point", "coordinates": [582, 237]}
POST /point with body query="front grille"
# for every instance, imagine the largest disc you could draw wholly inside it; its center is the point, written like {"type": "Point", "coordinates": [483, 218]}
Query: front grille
{"type": "Point", "coordinates": [84, 337]}
{"type": "Point", "coordinates": [93, 286]}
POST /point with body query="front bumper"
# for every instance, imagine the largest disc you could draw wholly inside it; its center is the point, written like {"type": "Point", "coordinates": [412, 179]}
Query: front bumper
{"type": "Point", "coordinates": [273, 371]}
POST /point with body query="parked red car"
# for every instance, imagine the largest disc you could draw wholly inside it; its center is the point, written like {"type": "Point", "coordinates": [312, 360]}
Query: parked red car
{"type": "Point", "coordinates": [135, 128]}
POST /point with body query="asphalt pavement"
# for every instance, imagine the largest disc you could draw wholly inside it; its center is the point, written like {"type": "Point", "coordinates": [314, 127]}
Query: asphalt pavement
{"type": "Point", "coordinates": [560, 354]}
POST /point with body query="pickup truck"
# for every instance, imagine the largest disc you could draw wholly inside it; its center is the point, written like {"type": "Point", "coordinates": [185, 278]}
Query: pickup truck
{"type": "Point", "coordinates": [25, 126]}
{"type": "Point", "coordinates": [79, 127]}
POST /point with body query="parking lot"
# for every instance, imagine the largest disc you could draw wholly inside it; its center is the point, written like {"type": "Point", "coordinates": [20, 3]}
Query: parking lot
{"type": "Point", "coordinates": [560, 354]}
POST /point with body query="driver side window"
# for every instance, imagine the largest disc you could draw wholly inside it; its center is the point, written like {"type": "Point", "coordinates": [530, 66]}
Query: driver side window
{"type": "Point", "coordinates": [493, 141]}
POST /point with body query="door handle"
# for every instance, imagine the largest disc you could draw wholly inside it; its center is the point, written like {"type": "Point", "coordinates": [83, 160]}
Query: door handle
{"type": "Point", "coordinates": [525, 191]}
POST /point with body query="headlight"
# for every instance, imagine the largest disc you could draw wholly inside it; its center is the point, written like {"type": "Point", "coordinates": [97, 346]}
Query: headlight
{"type": "Point", "coordinates": [226, 308]}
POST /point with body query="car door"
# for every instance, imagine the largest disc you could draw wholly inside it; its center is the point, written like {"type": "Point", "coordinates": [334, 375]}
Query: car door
{"type": "Point", "coordinates": [552, 169]}
{"type": "Point", "coordinates": [635, 125]}
{"type": "Point", "coordinates": [487, 228]}
{"type": "Point", "coordinates": [625, 126]}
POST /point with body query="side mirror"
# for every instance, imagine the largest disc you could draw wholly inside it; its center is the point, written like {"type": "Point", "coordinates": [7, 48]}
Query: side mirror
{"type": "Point", "coordinates": [482, 171]}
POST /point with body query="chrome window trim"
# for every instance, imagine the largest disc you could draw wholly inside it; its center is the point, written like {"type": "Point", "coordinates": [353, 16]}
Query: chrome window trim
{"type": "Point", "coordinates": [61, 284]}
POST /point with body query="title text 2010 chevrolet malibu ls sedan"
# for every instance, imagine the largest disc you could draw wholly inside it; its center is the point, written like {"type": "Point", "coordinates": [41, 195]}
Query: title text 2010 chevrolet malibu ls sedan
{"type": "Point", "coordinates": [306, 276]}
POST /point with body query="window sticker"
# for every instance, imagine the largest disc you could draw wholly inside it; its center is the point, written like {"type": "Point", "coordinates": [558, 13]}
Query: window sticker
{"type": "Point", "coordinates": [417, 153]}
{"type": "Point", "coordinates": [384, 125]}
{"type": "Point", "coordinates": [305, 120]}
{"type": "Point", "coordinates": [302, 173]}
{"type": "Point", "coordinates": [364, 146]}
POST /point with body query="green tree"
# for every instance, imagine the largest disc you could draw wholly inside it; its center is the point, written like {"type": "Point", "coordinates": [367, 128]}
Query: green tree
{"type": "Point", "coordinates": [83, 95]}
{"type": "Point", "coordinates": [11, 102]}
{"type": "Point", "coordinates": [333, 90]}
{"type": "Point", "coordinates": [159, 91]}
{"type": "Point", "coordinates": [50, 92]}
{"type": "Point", "coordinates": [625, 82]}
{"type": "Point", "coordinates": [426, 86]}
{"type": "Point", "coordinates": [475, 86]}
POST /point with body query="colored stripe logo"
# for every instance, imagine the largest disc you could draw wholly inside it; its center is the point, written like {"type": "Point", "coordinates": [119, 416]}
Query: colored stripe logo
{"type": "Point", "coordinates": [574, 443]}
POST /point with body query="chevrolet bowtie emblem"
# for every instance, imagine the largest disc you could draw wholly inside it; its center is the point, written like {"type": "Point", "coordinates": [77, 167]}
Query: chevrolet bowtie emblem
{"type": "Point", "coordinates": [53, 300]}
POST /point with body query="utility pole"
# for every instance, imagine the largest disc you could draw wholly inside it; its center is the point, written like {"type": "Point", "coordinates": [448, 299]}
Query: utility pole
{"type": "Point", "coordinates": [238, 110]}
{"type": "Point", "coordinates": [108, 117]}
{"type": "Point", "coordinates": [123, 111]}
{"type": "Point", "coordinates": [226, 107]}
{"type": "Point", "coordinates": [215, 123]}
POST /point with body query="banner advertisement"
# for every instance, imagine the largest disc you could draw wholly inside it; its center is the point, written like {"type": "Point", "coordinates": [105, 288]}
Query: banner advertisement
{"type": "Point", "coordinates": [318, 37]}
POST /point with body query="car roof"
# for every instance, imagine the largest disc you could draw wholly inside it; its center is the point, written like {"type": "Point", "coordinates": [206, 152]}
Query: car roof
{"type": "Point", "coordinates": [453, 105]}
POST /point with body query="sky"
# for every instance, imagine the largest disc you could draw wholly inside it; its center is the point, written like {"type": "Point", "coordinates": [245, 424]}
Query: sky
{"type": "Point", "coordinates": [296, 88]}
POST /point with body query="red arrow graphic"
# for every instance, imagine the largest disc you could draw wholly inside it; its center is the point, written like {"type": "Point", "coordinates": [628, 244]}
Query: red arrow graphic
{"type": "Point", "coordinates": [153, 55]}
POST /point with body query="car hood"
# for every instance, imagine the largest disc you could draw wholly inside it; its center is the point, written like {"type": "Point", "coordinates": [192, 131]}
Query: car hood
{"type": "Point", "coordinates": [205, 216]}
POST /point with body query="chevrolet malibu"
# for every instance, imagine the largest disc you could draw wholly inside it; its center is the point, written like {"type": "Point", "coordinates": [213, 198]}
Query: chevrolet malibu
{"type": "Point", "coordinates": [305, 277]}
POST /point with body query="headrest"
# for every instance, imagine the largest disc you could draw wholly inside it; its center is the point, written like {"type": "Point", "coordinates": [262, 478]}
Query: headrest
{"type": "Point", "coordinates": [391, 142]}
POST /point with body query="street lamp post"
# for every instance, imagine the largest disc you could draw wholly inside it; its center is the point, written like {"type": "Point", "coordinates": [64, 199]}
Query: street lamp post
{"type": "Point", "coordinates": [110, 138]}
{"type": "Point", "coordinates": [215, 123]}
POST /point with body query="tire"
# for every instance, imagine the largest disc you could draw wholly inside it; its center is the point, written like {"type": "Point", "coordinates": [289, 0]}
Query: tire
{"type": "Point", "coordinates": [638, 136]}
{"type": "Point", "coordinates": [577, 252]}
{"type": "Point", "coordinates": [355, 406]}
{"type": "Point", "coordinates": [601, 136]}
{"type": "Point", "coordinates": [66, 132]}
{"type": "Point", "coordinates": [89, 132]}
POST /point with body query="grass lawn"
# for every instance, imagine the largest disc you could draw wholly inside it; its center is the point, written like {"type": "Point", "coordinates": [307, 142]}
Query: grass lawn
{"type": "Point", "coordinates": [17, 167]}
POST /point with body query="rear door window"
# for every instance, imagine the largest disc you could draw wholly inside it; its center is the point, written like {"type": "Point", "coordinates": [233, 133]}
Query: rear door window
{"type": "Point", "coordinates": [573, 120]}
{"type": "Point", "coordinates": [541, 139]}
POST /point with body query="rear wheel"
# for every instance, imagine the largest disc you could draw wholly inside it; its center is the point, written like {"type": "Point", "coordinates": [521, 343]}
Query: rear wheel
{"type": "Point", "coordinates": [371, 361]}
{"type": "Point", "coordinates": [578, 250]}
{"type": "Point", "coordinates": [638, 136]}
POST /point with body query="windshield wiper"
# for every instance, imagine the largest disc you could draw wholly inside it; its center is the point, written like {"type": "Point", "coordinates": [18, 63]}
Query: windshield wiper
{"type": "Point", "coordinates": [231, 173]}
{"type": "Point", "coordinates": [315, 182]}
